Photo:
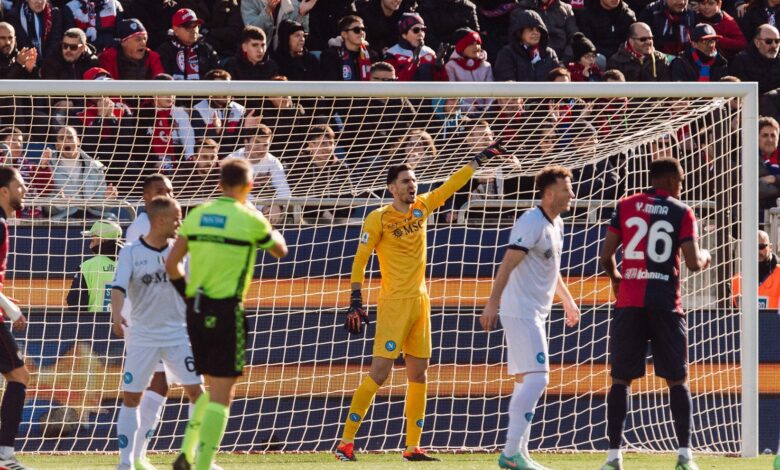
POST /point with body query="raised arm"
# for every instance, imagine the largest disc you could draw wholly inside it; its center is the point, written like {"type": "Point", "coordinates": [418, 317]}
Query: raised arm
{"type": "Point", "coordinates": [462, 176]}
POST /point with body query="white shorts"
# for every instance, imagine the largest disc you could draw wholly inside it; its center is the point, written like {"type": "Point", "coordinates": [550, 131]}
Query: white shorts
{"type": "Point", "coordinates": [526, 342]}
{"type": "Point", "coordinates": [141, 362]}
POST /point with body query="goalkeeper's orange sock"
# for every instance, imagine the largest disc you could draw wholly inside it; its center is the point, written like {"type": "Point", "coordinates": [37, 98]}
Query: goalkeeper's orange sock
{"type": "Point", "coordinates": [192, 433]}
{"type": "Point", "coordinates": [361, 400]}
{"type": "Point", "coordinates": [212, 429]}
{"type": "Point", "coordinates": [416, 394]}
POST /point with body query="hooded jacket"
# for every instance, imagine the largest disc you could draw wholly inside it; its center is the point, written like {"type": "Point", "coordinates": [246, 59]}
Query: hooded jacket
{"type": "Point", "coordinates": [443, 17]}
{"type": "Point", "coordinates": [87, 182]}
{"type": "Point", "coordinates": [558, 17]}
{"type": "Point", "coordinates": [56, 68]}
{"type": "Point", "coordinates": [514, 59]}
{"type": "Point", "coordinates": [653, 68]}
{"type": "Point", "coordinates": [303, 68]}
{"type": "Point", "coordinates": [750, 66]}
{"type": "Point", "coordinates": [684, 69]}
{"type": "Point", "coordinates": [606, 28]}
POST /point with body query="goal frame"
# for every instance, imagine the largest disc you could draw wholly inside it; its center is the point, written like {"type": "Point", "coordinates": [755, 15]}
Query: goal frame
{"type": "Point", "coordinates": [747, 92]}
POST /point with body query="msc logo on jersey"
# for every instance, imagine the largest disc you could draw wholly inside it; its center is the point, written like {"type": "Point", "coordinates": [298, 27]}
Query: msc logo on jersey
{"type": "Point", "coordinates": [529, 417]}
{"type": "Point", "coordinates": [364, 238]}
{"type": "Point", "coordinates": [127, 377]}
{"type": "Point", "coordinates": [417, 213]}
{"type": "Point", "coordinates": [419, 423]}
{"type": "Point", "coordinates": [213, 220]}
{"type": "Point", "coordinates": [390, 345]}
{"type": "Point", "coordinates": [414, 226]}
{"type": "Point", "coordinates": [540, 358]}
{"type": "Point", "coordinates": [354, 417]}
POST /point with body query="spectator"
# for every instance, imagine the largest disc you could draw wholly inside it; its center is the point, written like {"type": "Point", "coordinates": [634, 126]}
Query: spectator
{"type": "Point", "coordinates": [444, 17]}
{"type": "Point", "coordinates": [583, 68]}
{"type": "Point", "coordinates": [286, 118]}
{"type": "Point", "coordinates": [558, 18]}
{"type": "Point", "coordinates": [323, 22]}
{"type": "Point", "coordinates": [268, 14]}
{"type": "Point", "coordinates": [757, 13]}
{"type": "Point", "coordinates": [759, 62]}
{"type": "Point", "coordinates": [31, 159]}
{"type": "Point", "coordinates": [222, 23]}
{"type": "Point", "coordinates": [468, 63]}
{"type": "Point", "coordinates": [606, 23]}
{"type": "Point", "coordinates": [156, 15]}
{"type": "Point", "coordinates": [769, 171]}
{"type": "Point", "coordinates": [768, 276]}
{"type": "Point", "coordinates": [526, 58]}
{"type": "Point", "coordinates": [559, 74]}
{"type": "Point", "coordinates": [41, 14]}
{"type": "Point", "coordinates": [700, 61]}
{"type": "Point", "coordinates": [131, 59]}
{"type": "Point", "coordinates": [381, 18]}
{"type": "Point", "coordinates": [295, 62]}
{"type": "Point", "coordinates": [15, 63]}
{"type": "Point", "coordinates": [348, 58]}
{"type": "Point", "coordinates": [733, 41]}
{"type": "Point", "coordinates": [671, 22]}
{"type": "Point", "coordinates": [76, 56]}
{"type": "Point", "coordinates": [637, 58]}
{"type": "Point", "coordinates": [411, 58]}
{"type": "Point", "coordinates": [97, 18]}
{"type": "Point", "coordinates": [164, 138]}
{"type": "Point", "coordinates": [186, 55]}
{"type": "Point", "coordinates": [270, 180]}
{"type": "Point", "coordinates": [417, 150]}
{"type": "Point", "coordinates": [494, 20]}
{"type": "Point", "coordinates": [218, 117]}
{"type": "Point", "coordinates": [200, 178]}
{"type": "Point", "coordinates": [252, 62]}
{"type": "Point", "coordinates": [77, 176]}
{"type": "Point", "coordinates": [445, 124]}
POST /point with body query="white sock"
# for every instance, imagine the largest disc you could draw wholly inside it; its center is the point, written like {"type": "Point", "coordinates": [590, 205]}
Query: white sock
{"type": "Point", "coordinates": [149, 409]}
{"type": "Point", "coordinates": [524, 443]}
{"type": "Point", "coordinates": [521, 409]}
{"type": "Point", "coordinates": [126, 427]}
{"type": "Point", "coordinates": [614, 454]}
{"type": "Point", "coordinates": [685, 452]}
{"type": "Point", "coordinates": [190, 410]}
{"type": "Point", "coordinates": [6, 452]}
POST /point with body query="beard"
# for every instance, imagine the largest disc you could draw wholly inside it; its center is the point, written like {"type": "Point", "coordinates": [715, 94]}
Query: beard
{"type": "Point", "coordinates": [17, 204]}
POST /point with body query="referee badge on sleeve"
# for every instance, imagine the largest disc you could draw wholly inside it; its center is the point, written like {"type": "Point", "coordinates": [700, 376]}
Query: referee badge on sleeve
{"type": "Point", "coordinates": [364, 238]}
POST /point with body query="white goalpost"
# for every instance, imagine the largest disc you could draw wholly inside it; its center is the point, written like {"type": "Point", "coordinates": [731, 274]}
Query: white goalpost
{"type": "Point", "coordinates": [301, 365]}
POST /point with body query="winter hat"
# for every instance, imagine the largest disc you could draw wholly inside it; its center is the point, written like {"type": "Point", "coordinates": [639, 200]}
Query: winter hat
{"type": "Point", "coordinates": [97, 73]}
{"type": "Point", "coordinates": [129, 28]}
{"type": "Point", "coordinates": [185, 16]}
{"type": "Point", "coordinates": [409, 20]}
{"type": "Point", "coordinates": [581, 45]}
{"type": "Point", "coordinates": [463, 38]}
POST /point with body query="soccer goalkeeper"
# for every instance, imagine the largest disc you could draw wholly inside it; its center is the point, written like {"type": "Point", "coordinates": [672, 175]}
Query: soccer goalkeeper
{"type": "Point", "coordinates": [397, 232]}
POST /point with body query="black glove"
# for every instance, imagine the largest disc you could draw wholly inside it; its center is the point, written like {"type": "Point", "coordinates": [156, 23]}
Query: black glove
{"type": "Point", "coordinates": [181, 287]}
{"type": "Point", "coordinates": [356, 315]}
{"type": "Point", "coordinates": [443, 54]}
{"type": "Point", "coordinates": [490, 151]}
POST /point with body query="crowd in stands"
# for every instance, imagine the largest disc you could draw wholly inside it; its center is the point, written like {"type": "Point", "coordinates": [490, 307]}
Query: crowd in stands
{"type": "Point", "coordinates": [97, 149]}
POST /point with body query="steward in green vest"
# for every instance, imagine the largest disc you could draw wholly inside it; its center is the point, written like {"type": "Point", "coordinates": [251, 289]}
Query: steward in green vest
{"type": "Point", "coordinates": [90, 290]}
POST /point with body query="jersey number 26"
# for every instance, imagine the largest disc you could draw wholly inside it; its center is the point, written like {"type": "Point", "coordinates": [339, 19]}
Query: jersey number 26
{"type": "Point", "coordinates": [659, 240]}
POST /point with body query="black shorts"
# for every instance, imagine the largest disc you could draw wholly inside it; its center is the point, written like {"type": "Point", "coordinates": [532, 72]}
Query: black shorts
{"type": "Point", "coordinates": [667, 332]}
{"type": "Point", "coordinates": [10, 356]}
{"type": "Point", "coordinates": [218, 336]}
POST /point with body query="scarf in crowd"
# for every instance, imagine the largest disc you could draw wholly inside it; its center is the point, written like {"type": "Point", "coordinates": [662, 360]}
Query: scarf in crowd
{"type": "Point", "coordinates": [162, 133]}
{"type": "Point", "coordinates": [89, 15]}
{"type": "Point", "coordinates": [675, 34]}
{"type": "Point", "coordinates": [545, 5]}
{"type": "Point", "coordinates": [38, 38]}
{"type": "Point", "coordinates": [704, 65]}
{"type": "Point", "coordinates": [533, 53]}
{"type": "Point", "coordinates": [498, 11]}
{"type": "Point", "coordinates": [187, 62]}
{"type": "Point", "coordinates": [363, 62]}
{"type": "Point", "coordinates": [771, 162]}
{"type": "Point", "coordinates": [468, 64]}
{"type": "Point", "coordinates": [771, 13]}
{"type": "Point", "coordinates": [634, 53]}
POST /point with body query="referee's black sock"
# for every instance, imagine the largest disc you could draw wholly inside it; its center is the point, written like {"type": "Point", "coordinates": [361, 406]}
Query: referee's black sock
{"type": "Point", "coordinates": [681, 405]}
{"type": "Point", "coordinates": [11, 412]}
{"type": "Point", "coordinates": [617, 409]}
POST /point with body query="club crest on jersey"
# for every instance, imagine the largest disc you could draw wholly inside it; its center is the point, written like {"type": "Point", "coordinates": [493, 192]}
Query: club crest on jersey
{"type": "Point", "coordinates": [419, 423]}
{"type": "Point", "coordinates": [354, 417]}
{"type": "Point", "coordinates": [364, 238]}
{"type": "Point", "coordinates": [128, 377]}
{"type": "Point", "coordinates": [390, 345]}
{"type": "Point", "coordinates": [417, 213]}
{"type": "Point", "coordinates": [540, 358]}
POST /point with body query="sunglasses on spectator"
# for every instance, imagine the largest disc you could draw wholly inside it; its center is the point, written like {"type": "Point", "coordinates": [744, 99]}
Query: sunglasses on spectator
{"type": "Point", "coordinates": [643, 39]}
{"type": "Point", "coordinates": [417, 29]}
{"type": "Point", "coordinates": [190, 26]}
{"type": "Point", "coordinates": [70, 47]}
{"type": "Point", "coordinates": [770, 41]}
{"type": "Point", "coordinates": [762, 246]}
{"type": "Point", "coordinates": [356, 29]}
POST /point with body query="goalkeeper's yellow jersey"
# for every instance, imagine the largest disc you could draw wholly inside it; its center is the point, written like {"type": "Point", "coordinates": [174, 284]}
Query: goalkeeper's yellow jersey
{"type": "Point", "coordinates": [400, 241]}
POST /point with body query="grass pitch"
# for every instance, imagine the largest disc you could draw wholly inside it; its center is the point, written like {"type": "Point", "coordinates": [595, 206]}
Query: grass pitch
{"type": "Point", "coordinates": [322, 461]}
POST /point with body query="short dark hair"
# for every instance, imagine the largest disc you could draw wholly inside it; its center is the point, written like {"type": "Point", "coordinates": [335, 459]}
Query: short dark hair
{"type": "Point", "coordinates": [382, 67]}
{"type": "Point", "coordinates": [7, 174]}
{"type": "Point", "coordinates": [8, 131]}
{"type": "Point", "coordinates": [318, 131]}
{"type": "Point", "coordinates": [206, 142]}
{"type": "Point", "coordinates": [548, 176]}
{"type": "Point", "coordinates": [217, 74]}
{"type": "Point", "coordinates": [614, 74]}
{"type": "Point", "coordinates": [663, 167]}
{"type": "Point", "coordinates": [394, 171]}
{"type": "Point", "coordinates": [345, 21]}
{"type": "Point", "coordinates": [153, 178]}
{"type": "Point", "coordinates": [160, 204]}
{"type": "Point", "coordinates": [248, 132]}
{"type": "Point", "coordinates": [235, 172]}
{"type": "Point", "coordinates": [558, 72]}
{"type": "Point", "coordinates": [75, 33]}
{"type": "Point", "coordinates": [252, 33]}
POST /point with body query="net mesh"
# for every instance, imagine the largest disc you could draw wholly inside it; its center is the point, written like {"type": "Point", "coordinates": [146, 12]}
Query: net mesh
{"type": "Point", "coordinates": [84, 158]}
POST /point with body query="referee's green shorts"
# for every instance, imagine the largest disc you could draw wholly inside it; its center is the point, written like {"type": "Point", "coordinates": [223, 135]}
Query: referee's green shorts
{"type": "Point", "coordinates": [218, 336]}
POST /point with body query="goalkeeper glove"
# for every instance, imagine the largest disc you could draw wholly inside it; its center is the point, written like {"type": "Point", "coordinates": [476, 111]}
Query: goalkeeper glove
{"type": "Point", "coordinates": [356, 314]}
{"type": "Point", "coordinates": [490, 151]}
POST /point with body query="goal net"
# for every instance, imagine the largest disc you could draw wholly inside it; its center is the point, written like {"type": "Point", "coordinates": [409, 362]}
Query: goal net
{"type": "Point", "coordinates": [84, 154]}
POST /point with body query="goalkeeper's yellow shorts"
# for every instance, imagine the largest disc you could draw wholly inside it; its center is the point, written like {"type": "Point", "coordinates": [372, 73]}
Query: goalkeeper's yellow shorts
{"type": "Point", "coordinates": [403, 325]}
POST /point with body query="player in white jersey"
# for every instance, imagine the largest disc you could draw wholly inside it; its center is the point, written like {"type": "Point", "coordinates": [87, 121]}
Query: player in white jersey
{"type": "Point", "coordinates": [153, 399]}
{"type": "Point", "coordinates": [524, 287]}
{"type": "Point", "coordinates": [158, 328]}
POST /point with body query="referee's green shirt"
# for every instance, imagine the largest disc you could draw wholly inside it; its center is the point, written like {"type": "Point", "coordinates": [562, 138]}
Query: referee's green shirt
{"type": "Point", "coordinates": [223, 236]}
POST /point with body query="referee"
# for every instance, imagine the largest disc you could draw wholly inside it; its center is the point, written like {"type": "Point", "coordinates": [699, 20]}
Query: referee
{"type": "Point", "coordinates": [222, 237]}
